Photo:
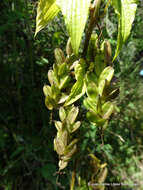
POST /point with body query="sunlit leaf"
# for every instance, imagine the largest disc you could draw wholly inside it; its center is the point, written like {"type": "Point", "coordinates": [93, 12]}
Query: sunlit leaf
{"type": "Point", "coordinates": [80, 69]}
{"type": "Point", "coordinates": [62, 113]}
{"type": "Point", "coordinates": [46, 11]}
{"type": "Point", "coordinates": [95, 118]}
{"type": "Point", "coordinates": [72, 115]}
{"type": "Point", "coordinates": [64, 81]}
{"type": "Point", "coordinates": [58, 125]}
{"type": "Point", "coordinates": [105, 76]}
{"type": "Point", "coordinates": [59, 55]}
{"type": "Point", "coordinates": [108, 109]}
{"type": "Point", "coordinates": [47, 90]}
{"type": "Point", "coordinates": [90, 105]}
{"type": "Point", "coordinates": [79, 87]}
{"type": "Point", "coordinates": [49, 102]}
{"type": "Point", "coordinates": [76, 126]}
{"type": "Point", "coordinates": [75, 13]}
{"type": "Point", "coordinates": [92, 90]}
{"type": "Point", "coordinates": [77, 91]}
{"type": "Point", "coordinates": [126, 10]}
{"type": "Point", "coordinates": [59, 146]}
{"type": "Point", "coordinates": [63, 69]}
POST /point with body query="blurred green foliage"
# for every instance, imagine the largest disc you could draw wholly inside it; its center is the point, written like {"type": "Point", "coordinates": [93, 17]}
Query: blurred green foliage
{"type": "Point", "coordinates": [27, 159]}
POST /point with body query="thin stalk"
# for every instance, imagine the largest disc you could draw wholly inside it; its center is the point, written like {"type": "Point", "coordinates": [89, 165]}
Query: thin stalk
{"type": "Point", "coordinates": [94, 10]}
{"type": "Point", "coordinates": [73, 176]}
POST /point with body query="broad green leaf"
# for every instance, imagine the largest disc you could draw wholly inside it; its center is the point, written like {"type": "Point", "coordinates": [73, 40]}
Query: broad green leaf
{"type": "Point", "coordinates": [46, 11]}
{"type": "Point", "coordinates": [51, 77]}
{"type": "Point", "coordinates": [106, 75]}
{"type": "Point", "coordinates": [75, 13]}
{"type": "Point", "coordinates": [58, 125]}
{"type": "Point", "coordinates": [77, 91]}
{"type": "Point", "coordinates": [90, 105]}
{"type": "Point", "coordinates": [59, 146]}
{"type": "Point", "coordinates": [49, 102]}
{"type": "Point", "coordinates": [107, 109]}
{"type": "Point", "coordinates": [76, 126]}
{"type": "Point", "coordinates": [63, 69]}
{"type": "Point", "coordinates": [71, 145]}
{"type": "Point", "coordinates": [99, 63]}
{"type": "Point", "coordinates": [64, 81]}
{"type": "Point", "coordinates": [55, 92]}
{"type": "Point", "coordinates": [79, 87]}
{"type": "Point", "coordinates": [69, 154]}
{"type": "Point", "coordinates": [72, 115]}
{"type": "Point", "coordinates": [94, 118]}
{"type": "Point", "coordinates": [56, 77]}
{"type": "Point", "coordinates": [91, 77]}
{"type": "Point", "coordinates": [47, 90]}
{"type": "Point", "coordinates": [64, 137]}
{"type": "Point", "coordinates": [62, 113]}
{"type": "Point", "coordinates": [80, 70]}
{"type": "Point", "coordinates": [92, 90]}
{"type": "Point", "coordinates": [59, 55]}
{"type": "Point", "coordinates": [126, 10]}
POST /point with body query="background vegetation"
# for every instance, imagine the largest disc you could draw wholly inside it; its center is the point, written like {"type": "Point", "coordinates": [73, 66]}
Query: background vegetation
{"type": "Point", "coordinates": [27, 159]}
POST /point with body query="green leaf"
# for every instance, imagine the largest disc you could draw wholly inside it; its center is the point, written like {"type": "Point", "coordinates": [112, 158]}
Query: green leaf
{"type": "Point", "coordinates": [59, 146]}
{"type": "Point", "coordinates": [75, 13]}
{"type": "Point", "coordinates": [69, 154]}
{"type": "Point", "coordinates": [49, 102]}
{"type": "Point", "coordinates": [108, 109]}
{"type": "Point", "coordinates": [47, 90]}
{"type": "Point", "coordinates": [80, 69]}
{"type": "Point", "coordinates": [51, 77]}
{"type": "Point", "coordinates": [64, 81]}
{"type": "Point", "coordinates": [62, 164]}
{"type": "Point", "coordinates": [79, 87]}
{"type": "Point", "coordinates": [72, 115]}
{"type": "Point", "coordinates": [126, 10]}
{"type": "Point", "coordinates": [46, 11]}
{"type": "Point", "coordinates": [75, 126]}
{"type": "Point", "coordinates": [58, 125]}
{"type": "Point", "coordinates": [99, 106]}
{"type": "Point", "coordinates": [77, 91]}
{"type": "Point", "coordinates": [62, 113]}
{"type": "Point", "coordinates": [94, 118]}
{"type": "Point", "coordinates": [55, 92]}
{"type": "Point", "coordinates": [63, 98]}
{"type": "Point", "coordinates": [91, 77]}
{"type": "Point", "coordinates": [70, 146]}
{"type": "Point", "coordinates": [106, 75]}
{"type": "Point", "coordinates": [90, 105]}
{"type": "Point", "coordinates": [63, 69]}
{"type": "Point", "coordinates": [59, 55]}
{"type": "Point", "coordinates": [92, 90]}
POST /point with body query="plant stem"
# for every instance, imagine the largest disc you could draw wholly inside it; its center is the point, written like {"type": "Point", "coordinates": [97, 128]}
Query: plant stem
{"type": "Point", "coordinates": [93, 20]}
{"type": "Point", "coordinates": [73, 176]}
